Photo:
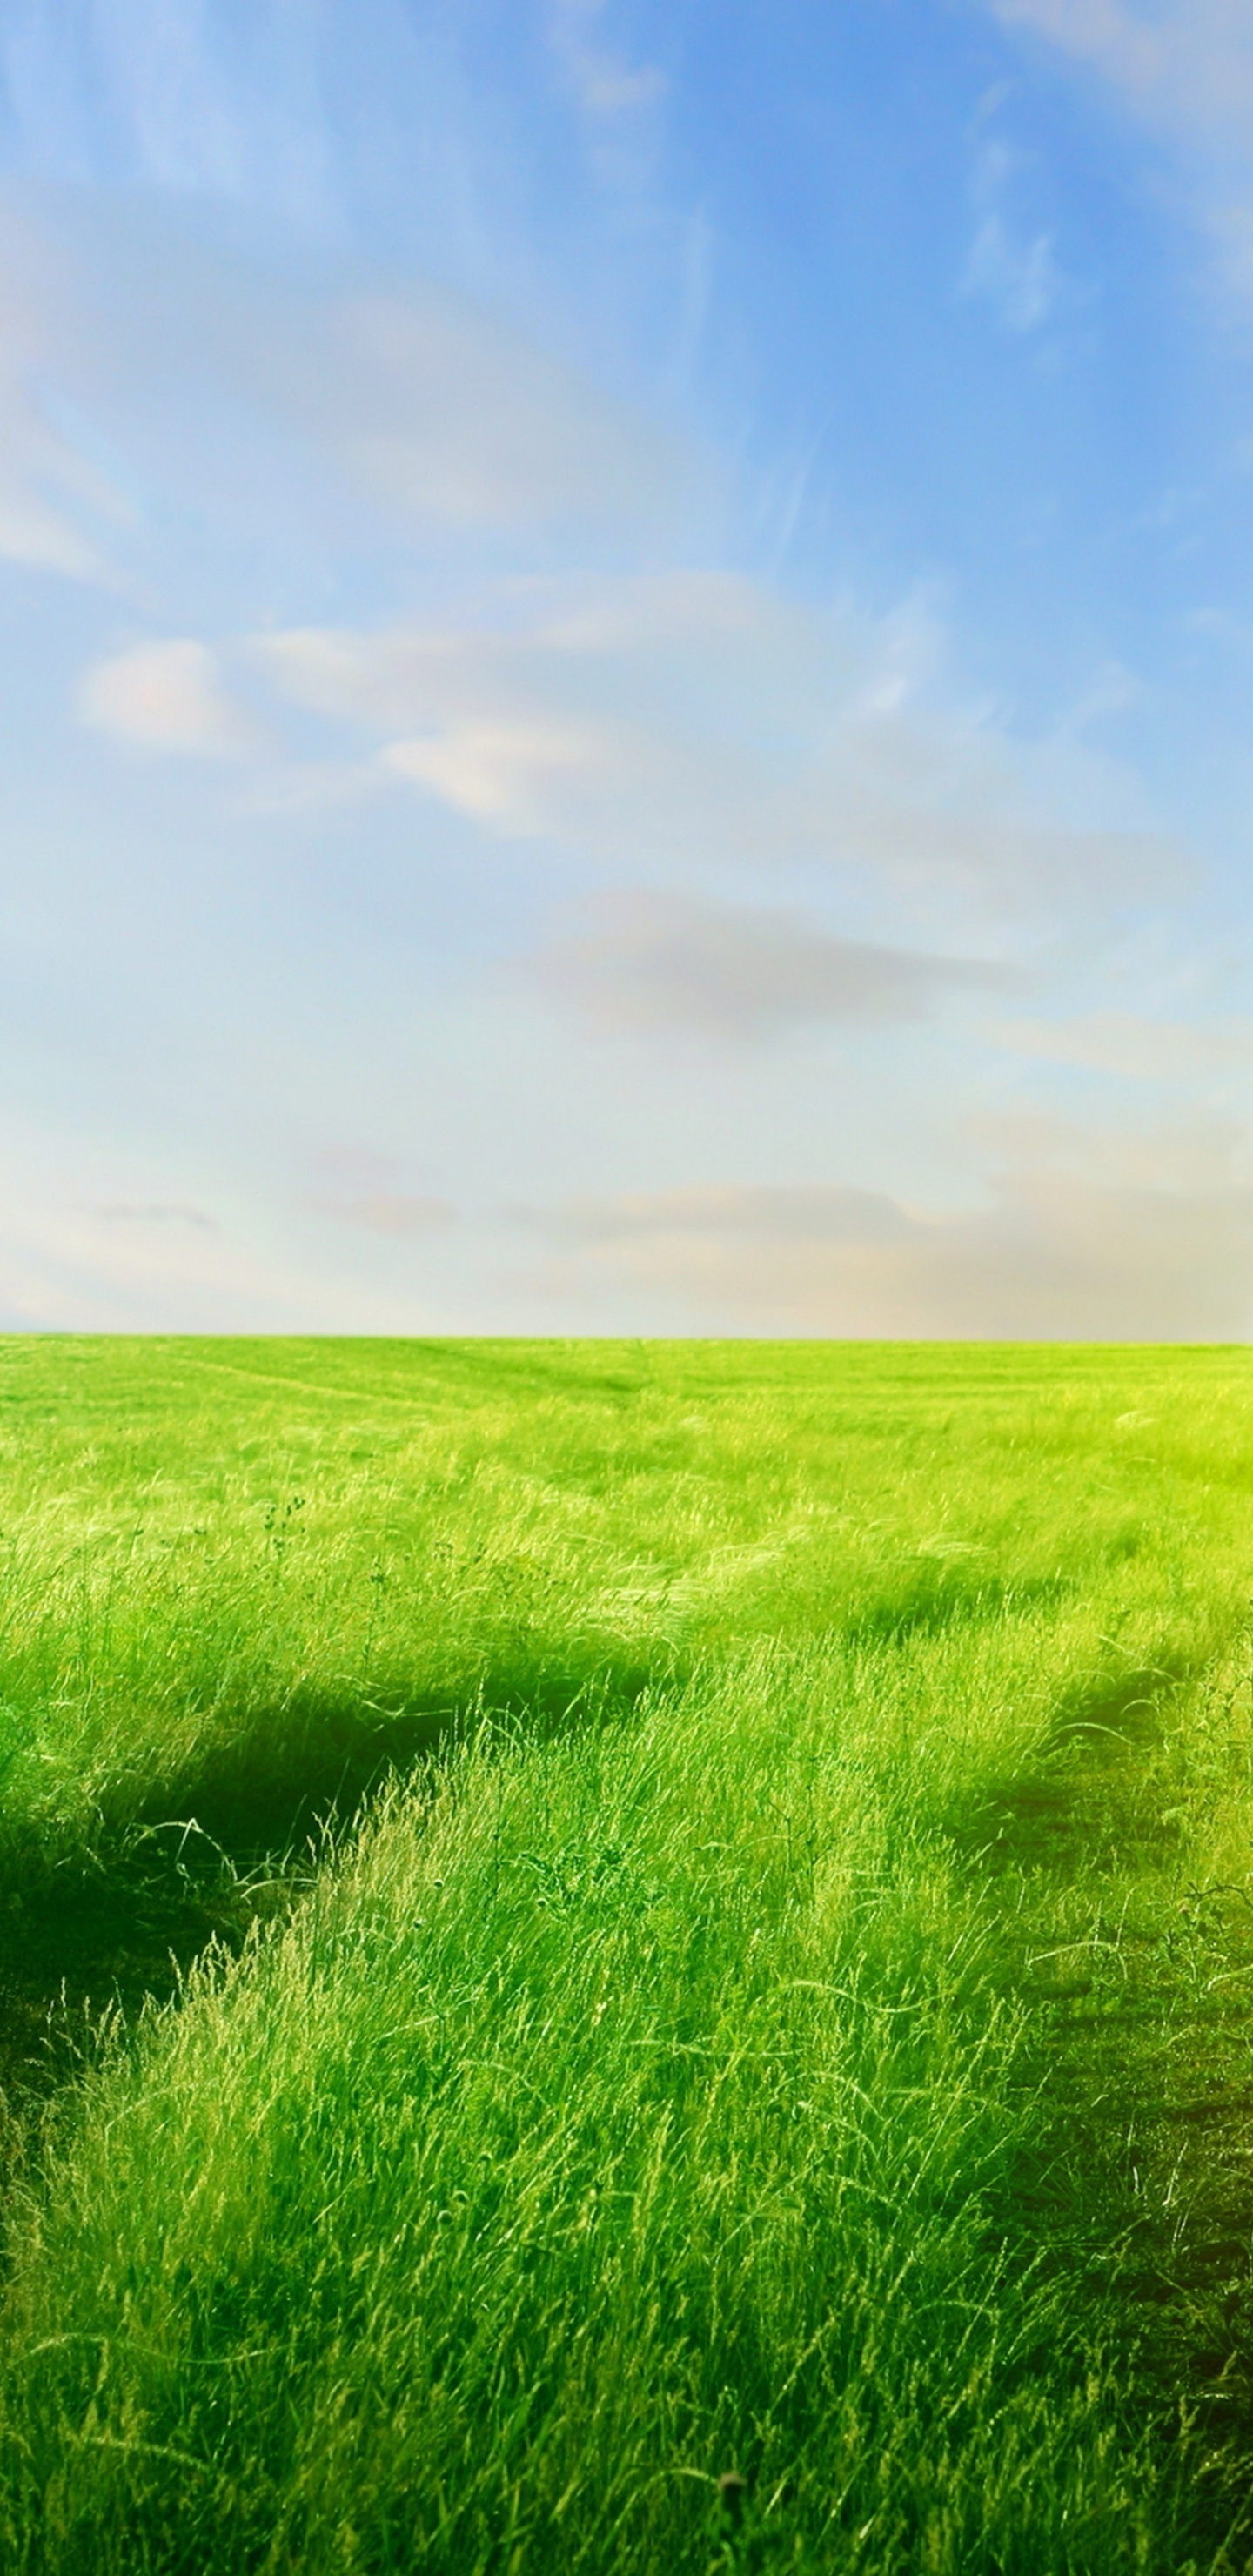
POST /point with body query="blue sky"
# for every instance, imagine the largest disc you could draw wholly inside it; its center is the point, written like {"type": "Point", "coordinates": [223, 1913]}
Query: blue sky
{"type": "Point", "coordinates": [625, 689]}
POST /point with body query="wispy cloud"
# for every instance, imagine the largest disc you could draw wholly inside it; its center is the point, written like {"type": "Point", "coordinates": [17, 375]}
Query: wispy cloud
{"type": "Point", "coordinates": [664, 962]}
{"type": "Point", "coordinates": [604, 82]}
{"type": "Point", "coordinates": [1010, 265]}
{"type": "Point", "coordinates": [706, 720]}
{"type": "Point", "coordinates": [1185, 68]}
{"type": "Point", "coordinates": [56, 508]}
{"type": "Point", "coordinates": [185, 97]}
{"type": "Point", "coordinates": [1018, 278]}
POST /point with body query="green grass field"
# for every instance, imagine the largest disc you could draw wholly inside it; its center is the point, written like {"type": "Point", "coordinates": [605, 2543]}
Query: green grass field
{"type": "Point", "coordinates": [576, 1919]}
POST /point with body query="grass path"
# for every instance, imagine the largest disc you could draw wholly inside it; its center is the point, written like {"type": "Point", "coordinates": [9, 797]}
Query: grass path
{"type": "Point", "coordinates": [777, 2003]}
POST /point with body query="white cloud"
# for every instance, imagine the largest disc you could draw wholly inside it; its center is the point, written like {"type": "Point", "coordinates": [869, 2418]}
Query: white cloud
{"type": "Point", "coordinates": [652, 961]}
{"type": "Point", "coordinates": [168, 696]}
{"type": "Point", "coordinates": [506, 773]}
{"type": "Point", "coordinates": [700, 721]}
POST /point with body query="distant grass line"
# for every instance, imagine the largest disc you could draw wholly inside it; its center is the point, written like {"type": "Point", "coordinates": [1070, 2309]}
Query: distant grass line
{"type": "Point", "coordinates": [790, 2021]}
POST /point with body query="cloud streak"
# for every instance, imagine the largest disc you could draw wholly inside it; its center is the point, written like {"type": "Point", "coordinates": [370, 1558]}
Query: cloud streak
{"type": "Point", "coordinates": [662, 962]}
{"type": "Point", "coordinates": [1057, 1255]}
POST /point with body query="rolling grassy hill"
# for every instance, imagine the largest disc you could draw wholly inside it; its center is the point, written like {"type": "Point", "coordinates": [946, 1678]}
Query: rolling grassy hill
{"type": "Point", "coordinates": [582, 1921]}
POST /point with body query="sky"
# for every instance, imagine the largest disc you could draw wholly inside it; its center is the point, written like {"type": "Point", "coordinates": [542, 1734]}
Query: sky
{"type": "Point", "coordinates": [625, 679]}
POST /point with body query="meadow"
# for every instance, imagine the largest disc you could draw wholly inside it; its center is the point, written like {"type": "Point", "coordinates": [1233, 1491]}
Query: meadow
{"type": "Point", "coordinates": [625, 1957]}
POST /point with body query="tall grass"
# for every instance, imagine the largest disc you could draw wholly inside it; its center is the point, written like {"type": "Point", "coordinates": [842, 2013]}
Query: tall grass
{"type": "Point", "coordinates": [229, 1569]}
{"type": "Point", "coordinates": [726, 2075]}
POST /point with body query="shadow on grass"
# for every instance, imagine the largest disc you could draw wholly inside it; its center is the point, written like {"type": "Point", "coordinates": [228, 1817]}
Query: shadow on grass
{"type": "Point", "coordinates": [1089, 1797]}
{"type": "Point", "coordinates": [1140, 2172]}
{"type": "Point", "coordinates": [945, 1599]}
{"type": "Point", "coordinates": [1137, 2170]}
{"type": "Point", "coordinates": [235, 1832]}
